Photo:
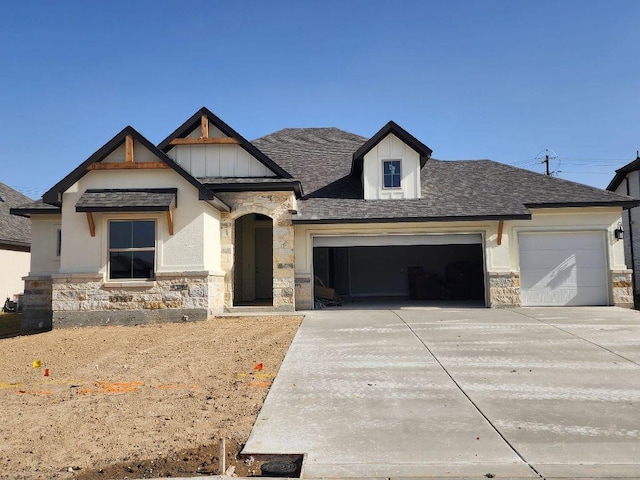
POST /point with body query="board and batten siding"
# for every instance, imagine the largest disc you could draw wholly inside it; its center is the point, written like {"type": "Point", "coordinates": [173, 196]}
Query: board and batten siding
{"type": "Point", "coordinates": [218, 161]}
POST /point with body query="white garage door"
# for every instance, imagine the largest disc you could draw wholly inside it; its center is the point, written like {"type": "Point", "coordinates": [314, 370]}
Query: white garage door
{"type": "Point", "coordinates": [558, 269]}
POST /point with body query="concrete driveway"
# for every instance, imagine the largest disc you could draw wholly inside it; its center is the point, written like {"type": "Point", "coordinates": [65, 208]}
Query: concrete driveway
{"type": "Point", "coordinates": [459, 393]}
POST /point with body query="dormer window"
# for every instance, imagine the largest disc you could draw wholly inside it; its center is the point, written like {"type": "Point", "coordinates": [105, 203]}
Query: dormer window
{"type": "Point", "coordinates": [391, 173]}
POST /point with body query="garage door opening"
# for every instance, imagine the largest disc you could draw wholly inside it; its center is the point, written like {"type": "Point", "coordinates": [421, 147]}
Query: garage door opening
{"type": "Point", "coordinates": [438, 271]}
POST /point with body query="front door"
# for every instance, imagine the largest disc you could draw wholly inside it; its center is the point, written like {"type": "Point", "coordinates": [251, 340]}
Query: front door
{"type": "Point", "coordinates": [264, 263]}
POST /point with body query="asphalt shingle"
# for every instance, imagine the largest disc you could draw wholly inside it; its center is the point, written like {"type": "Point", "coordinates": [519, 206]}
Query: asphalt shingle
{"type": "Point", "coordinates": [149, 199]}
{"type": "Point", "coordinates": [13, 230]}
{"type": "Point", "coordinates": [321, 159]}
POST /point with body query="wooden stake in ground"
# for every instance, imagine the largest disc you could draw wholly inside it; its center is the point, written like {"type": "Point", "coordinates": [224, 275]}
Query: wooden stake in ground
{"type": "Point", "coordinates": [222, 457]}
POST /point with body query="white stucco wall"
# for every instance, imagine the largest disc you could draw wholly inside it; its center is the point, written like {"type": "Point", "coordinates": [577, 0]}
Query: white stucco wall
{"type": "Point", "coordinates": [499, 258]}
{"type": "Point", "coordinates": [44, 242]}
{"type": "Point", "coordinates": [194, 246]}
{"type": "Point", "coordinates": [391, 148]}
{"type": "Point", "coordinates": [604, 219]}
{"type": "Point", "coordinates": [13, 266]}
{"type": "Point", "coordinates": [304, 235]}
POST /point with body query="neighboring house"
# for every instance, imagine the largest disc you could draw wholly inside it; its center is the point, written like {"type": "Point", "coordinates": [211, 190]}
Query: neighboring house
{"type": "Point", "coordinates": [207, 221]}
{"type": "Point", "coordinates": [627, 182]}
{"type": "Point", "coordinates": [15, 243]}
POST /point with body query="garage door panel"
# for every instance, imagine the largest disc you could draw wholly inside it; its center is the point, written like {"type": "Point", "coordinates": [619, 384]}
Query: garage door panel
{"type": "Point", "coordinates": [547, 259]}
{"type": "Point", "coordinates": [565, 297]}
{"type": "Point", "coordinates": [563, 269]}
{"type": "Point", "coordinates": [578, 241]}
{"type": "Point", "coordinates": [575, 277]}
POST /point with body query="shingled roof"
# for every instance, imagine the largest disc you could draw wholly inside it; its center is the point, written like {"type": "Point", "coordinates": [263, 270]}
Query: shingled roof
{"type": "Point", "coordinates": [321, 159]}
{"type": "Point", "coordinates": [127, 200]}
{"type": "Point", "coordinates": [15, 232]}
{"type": "Point", "coordinates": [317, 157]}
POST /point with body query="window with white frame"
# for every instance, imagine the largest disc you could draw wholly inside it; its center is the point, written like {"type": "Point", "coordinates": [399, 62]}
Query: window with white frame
{"type": "Point", "coordinates": [132, 249]}
{"type": "Point", "coordinates": [58, 242]}
{"type": "Point", "coordinates": [391, 174]}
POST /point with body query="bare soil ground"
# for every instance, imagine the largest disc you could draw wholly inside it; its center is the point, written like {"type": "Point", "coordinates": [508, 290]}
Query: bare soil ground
{"type": "Point", "coordinates": [136, 401]}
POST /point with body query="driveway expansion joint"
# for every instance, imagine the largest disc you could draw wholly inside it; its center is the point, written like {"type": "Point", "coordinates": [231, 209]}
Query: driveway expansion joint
{"type": "Point", "coordinates": [474, 404]}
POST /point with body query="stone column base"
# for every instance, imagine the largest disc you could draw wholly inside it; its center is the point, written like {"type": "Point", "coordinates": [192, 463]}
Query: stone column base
{"type": "Point", "coordinates": [621, 288]}
{"type": "Point", "coordinates": [504, 289]}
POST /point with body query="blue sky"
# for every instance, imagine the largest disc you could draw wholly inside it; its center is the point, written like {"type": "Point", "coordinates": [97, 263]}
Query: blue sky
{"type": "Point", "coordinates": [472, 79]}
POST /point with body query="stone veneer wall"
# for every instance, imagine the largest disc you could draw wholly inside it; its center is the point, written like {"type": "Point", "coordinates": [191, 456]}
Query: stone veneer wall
{"type": "Point", "coordinates": [504, 289]}
{"type": "Point", "coordinates": [36, 304]}
{"type": "Point", "coordinates": [276, 205]}
{"type": "Point", "coordinates": [85, 299]}
{"type": "Point", "coordinates": [622, 288]}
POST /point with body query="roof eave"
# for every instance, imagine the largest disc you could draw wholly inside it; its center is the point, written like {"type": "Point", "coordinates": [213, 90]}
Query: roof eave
{"type": "Point", "coordinates": [219, 204]}
{"type": "Point", "coordinates": [471, 218]}
{"type": "Point", "coordinates": [294, 186]}
{"type": "Point", "coordinates": [15, 245]}
{"type": "Point", "coordinates": [625, 204]}
{"type": "Point", "coordinates": [615, 183]}
{"type": "Point", "coordinates": [27, 212]}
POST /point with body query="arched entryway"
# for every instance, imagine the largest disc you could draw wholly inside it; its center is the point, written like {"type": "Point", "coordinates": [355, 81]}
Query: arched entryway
{"type": "Point", "coordinates": [253, 262]}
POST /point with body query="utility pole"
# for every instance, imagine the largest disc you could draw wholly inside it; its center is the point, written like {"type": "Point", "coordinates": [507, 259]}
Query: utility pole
{"type": "Point", "coordinates": [548, 156]}
{"type": "Point", "coordinates": [546, 162]}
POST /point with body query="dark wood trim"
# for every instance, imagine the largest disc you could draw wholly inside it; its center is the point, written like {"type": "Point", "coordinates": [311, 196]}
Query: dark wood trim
{"type": "Point", "coordinates": [128, 148]}
{"type": "Point", "coordinates": [170, 221]}
{"type": "Point", "coordinates": [92, 225]}
{"type": "Point", "coordinates": [204, 127]}
{"type": "Point", "coordinates": [128, 166]}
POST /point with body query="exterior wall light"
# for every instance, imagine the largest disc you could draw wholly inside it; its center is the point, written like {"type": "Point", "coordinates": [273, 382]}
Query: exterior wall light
{"type": "Point", "coordinates": [619, 232]}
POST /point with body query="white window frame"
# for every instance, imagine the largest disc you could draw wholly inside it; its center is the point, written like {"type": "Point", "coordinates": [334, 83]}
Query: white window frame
{"type": "Point", "coordinates": [384, 161]}
{"type": "Point", "coordinates": [141, 249]}
{"type": "Point", "coordinates": [58, 230]}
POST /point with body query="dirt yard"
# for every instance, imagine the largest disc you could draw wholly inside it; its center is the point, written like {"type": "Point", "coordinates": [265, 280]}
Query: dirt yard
{"type": "Point", "coordinates": [138, 401]}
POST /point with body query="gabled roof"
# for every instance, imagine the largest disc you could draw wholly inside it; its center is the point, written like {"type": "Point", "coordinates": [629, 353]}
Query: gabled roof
{"type": "Point", "coordinates": [391, 127]}
{"type": "Point", "coordinates": [192, 123]}
{"type": "Point", "coordinates": [54, 195]}
{"type": "Point", "coordinates": [621, 173]}
{"type": "Point", "coordinates": [14, 231]}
